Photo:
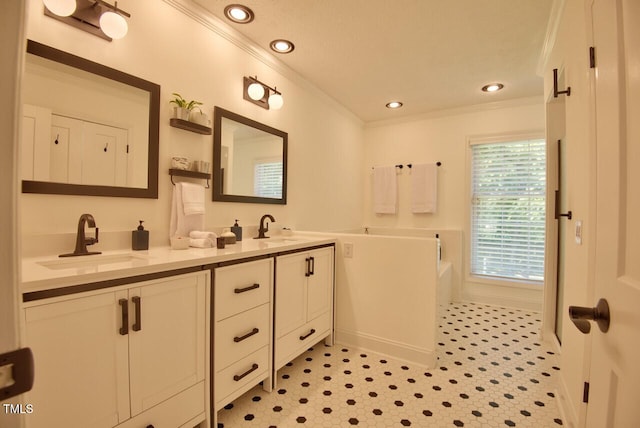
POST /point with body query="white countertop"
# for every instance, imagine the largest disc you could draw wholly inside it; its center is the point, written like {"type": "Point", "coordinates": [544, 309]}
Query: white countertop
{"type": "Point", "coordinates": [36, 276]}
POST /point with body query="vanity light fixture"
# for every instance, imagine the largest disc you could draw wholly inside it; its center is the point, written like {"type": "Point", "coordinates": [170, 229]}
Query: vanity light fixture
{"type": "Point", "coordinates": [282, 46]}
{"type": "Point", "coordinates": [61, 7]}
{"type": "Point", "coordinates": [260, 94]}
{"type": "Point", "coordinates": [93, 16]}
{"type": "Point", "coordinates": [394, 104]}
{"type": "Point", "coordinates": [238, 13]}
{"type": "Point", "coordinates": [492, 87]}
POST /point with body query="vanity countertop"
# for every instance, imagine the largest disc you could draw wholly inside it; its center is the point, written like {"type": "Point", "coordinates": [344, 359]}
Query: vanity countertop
{"type": "Point", "coordinates": [45, 273]}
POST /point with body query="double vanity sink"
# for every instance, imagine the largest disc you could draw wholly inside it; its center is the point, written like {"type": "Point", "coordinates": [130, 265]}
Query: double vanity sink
{"type": "Point", "coordinates": [204, 324]}
{"type": "Point", "coordinates": [41, 273]}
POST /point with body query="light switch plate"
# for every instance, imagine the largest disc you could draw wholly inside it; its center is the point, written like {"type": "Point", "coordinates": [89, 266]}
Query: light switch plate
{"type": "Point", "coordinates": [348, 250]}
{"type": "Point", "coordinates": [578, 234]}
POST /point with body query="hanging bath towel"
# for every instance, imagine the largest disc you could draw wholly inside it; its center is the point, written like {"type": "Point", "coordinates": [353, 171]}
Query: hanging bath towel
{"type": "Point", "coordinates": [424, 188]}
{"type": "Point", "coordinates": [384, 190]}
{"type": "Point", "coordinates": [181, 222]}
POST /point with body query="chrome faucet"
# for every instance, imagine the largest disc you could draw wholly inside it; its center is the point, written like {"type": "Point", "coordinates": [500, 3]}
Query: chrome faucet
{"type": "Point", "coordinates": [81, 240]}
{"type": "Point", "coordinates": [264, 228]}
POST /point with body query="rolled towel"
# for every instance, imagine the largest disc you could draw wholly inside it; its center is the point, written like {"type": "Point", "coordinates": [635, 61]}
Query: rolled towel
{"type": "Point", "coordinates": [201, 234]}
{"type": "Point", "coordinates": [200, 242]}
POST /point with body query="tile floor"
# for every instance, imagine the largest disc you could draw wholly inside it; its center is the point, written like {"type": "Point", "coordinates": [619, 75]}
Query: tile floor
{"type": "Point", "coordinates": [492, 372]}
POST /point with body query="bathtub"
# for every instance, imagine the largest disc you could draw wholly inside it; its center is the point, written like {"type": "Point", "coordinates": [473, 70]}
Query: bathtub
{"type": "Point", "coordinates": [390, 294]}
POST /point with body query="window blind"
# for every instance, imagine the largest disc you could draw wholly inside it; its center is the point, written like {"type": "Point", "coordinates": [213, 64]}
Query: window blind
{"type": "Point", "coordinates": [267, 179]}
{"type": "Point", "coordinates": [508, 209]}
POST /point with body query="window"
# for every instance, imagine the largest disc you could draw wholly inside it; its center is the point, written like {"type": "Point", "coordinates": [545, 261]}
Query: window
{"type": "Point", "coordinates": [508, 182]}
{"type": "Point", "coordinates": [267, 179]}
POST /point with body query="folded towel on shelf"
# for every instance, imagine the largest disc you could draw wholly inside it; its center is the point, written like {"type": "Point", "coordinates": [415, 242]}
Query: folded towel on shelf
{"type": "Point", "coordinates": [200, 242]}
{"type": "Point", "coordinates": [384, 190]}
{"type": "Point", "coordinates": [192, 198]}
{"type": "Point", "coordinates": [181, 224]}
{"type": "Point", "coordinates": [424, 188]}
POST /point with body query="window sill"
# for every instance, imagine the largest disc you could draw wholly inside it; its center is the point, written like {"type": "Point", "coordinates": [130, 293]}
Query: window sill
{"type": "Point", "coordinates": [505, 282]}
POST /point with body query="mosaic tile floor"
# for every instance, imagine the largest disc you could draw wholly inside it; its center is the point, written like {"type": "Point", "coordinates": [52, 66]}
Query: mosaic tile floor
{"type": "Point", "coordinates": [492, 372]}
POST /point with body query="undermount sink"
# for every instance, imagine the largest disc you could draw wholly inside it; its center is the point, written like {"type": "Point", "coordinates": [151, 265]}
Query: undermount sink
{"type": "Point", "coordinates": [283, 239]}
{"type": "Point", "coordinates": [89, 261]}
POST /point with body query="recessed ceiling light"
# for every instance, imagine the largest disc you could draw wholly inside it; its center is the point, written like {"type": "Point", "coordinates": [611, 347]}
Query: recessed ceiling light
{"type": "Point", "coordinates": [239, 13]}
{"type": "Point", "coordinates": [394, 104]}
{"type": "Point", "coordinates": [282, 46]}
{"type": "Point", "coordinates": [492, 87]}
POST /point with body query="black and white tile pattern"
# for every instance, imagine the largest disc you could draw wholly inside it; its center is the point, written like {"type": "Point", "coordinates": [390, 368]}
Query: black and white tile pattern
{"type": "Point", "coordinates": [492, 372]}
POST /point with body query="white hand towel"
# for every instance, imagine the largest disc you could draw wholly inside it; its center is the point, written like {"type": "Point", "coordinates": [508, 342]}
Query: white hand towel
{"type": "Point", "coordinates": [384, 190]}
{"type": "Point", "coordinates": [201, 234]}
{"type": "Point", "coordinates": [200, 242]}
{"type": "Point", "coordinates": [424, 188]}
{"type": "Point", "coordinates": [181, 224]}
{"type": "Point", "coordinates": [192, 198]}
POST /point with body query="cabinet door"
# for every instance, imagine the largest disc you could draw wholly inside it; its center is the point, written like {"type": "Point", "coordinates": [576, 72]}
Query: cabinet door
{"type": "Point", "coordinates": [80, 363]}
{"type": "Point", "coordinates": [320, 283]}
{"type": "Point", "coordinates": [291, 292]}
{"type": "Point", "coordinates": [167, 353]}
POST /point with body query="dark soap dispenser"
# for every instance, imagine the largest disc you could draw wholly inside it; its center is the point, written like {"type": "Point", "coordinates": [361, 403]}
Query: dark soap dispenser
{"type": "Point", "coordinates": [140, 238]}
{"type": "Point", "coordinates": [237, 230]}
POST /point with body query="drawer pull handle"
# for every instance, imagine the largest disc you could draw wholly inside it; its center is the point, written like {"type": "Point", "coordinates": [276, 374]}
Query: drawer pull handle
{"type": "Point", "coordinates": [253, 368]}
{"type": "Point", "coordinates": [246, 336]}
{"type": "Point", "coordinates": [313, 330]}
{"type": "Point", "coordinates": [249, 288]}
{"type": "Point", "coordinates": [137, 325]}
{"type": "Point", "coordinates": [124, 304]}
{"type": "Point", "coordinates": [307, 271]}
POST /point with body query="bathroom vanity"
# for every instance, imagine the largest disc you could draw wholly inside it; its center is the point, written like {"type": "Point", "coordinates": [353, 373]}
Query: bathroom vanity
{"type": "Point", "coordinates": [166, 338]}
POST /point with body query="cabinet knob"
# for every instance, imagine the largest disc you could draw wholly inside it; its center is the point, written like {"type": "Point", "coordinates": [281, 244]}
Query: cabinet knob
{"type": "Point", "coordinates": [149, 426]}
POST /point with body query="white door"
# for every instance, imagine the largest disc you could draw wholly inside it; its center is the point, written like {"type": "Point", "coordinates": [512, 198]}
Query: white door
{"type": "Point", "coordinates": [615, 372]}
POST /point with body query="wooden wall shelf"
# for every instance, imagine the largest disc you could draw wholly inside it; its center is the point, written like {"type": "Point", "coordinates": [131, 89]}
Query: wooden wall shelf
{"type": "Point", "coordinates": [190, 126]}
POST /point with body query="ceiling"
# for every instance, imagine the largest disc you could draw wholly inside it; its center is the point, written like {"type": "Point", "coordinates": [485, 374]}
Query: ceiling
{"type": "Point", "coordinates": [429, 54]}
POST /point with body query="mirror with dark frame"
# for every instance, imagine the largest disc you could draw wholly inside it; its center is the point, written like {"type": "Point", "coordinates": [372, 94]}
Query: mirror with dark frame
{"type": "Point", "coordinates": [88, 129]}
{"type": "Point", "coordinates": [249, 160]}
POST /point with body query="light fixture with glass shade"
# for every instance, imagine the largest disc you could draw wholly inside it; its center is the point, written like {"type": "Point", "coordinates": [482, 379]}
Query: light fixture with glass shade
{"type": "Point", "coordinates": [61, 7]}
{"type": "Point", "coordinates": [260, 94]}
{"type": "Point", "coordinates": [93, 16]}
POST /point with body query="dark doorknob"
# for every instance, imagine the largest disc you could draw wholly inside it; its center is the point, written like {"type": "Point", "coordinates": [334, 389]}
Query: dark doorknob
{"type": "Point", "coordinates": [581, 316]}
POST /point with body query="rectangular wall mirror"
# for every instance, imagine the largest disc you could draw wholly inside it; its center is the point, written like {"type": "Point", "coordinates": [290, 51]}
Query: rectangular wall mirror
{"type": "Point", "coordinates": [249, 160]}
{"type": "Point", "coordinates": [87, 129]}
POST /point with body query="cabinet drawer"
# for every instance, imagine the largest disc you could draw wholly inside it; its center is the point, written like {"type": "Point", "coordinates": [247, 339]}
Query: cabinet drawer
{"type": "Point", "coordinates": [241, 334]}
{"type": "Point", "coordinates": [292, 344]}
{"type": "Point", "coordinates": [242, 286]}
{"type": "Point", "coordinates": [241, 374]}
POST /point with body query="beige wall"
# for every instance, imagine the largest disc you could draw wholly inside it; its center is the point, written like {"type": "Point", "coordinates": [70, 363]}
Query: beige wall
{"type": "Point", "coordinates": [444, 137]}
{"type": "Point", "coordinates": [168, 47]}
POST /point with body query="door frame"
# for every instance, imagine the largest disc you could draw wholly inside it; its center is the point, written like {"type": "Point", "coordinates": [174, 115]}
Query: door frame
{"type": "Point", "coordinates": [12, 48]}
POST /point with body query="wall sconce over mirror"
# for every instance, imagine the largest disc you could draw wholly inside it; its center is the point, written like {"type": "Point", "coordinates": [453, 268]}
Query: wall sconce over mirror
{"type": "Point", "coordinates": [260, 94]}
{"type": "Point", "coordinates": [93, 16]}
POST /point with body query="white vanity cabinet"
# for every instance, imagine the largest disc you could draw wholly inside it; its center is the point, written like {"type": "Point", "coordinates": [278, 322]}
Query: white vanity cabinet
{"type": "Point", "coordinates": [303, 302]}
{"type": "Point", "coordinates": [242, 328]}
{"type": "Point", "coordinates": [129, 356]}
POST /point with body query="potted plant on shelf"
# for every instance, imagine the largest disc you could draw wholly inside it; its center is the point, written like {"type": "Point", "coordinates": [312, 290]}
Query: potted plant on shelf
{"type": "Point", "coordinates": [182, 107]}
{"type": "Point", "coordinates": [198, 116]}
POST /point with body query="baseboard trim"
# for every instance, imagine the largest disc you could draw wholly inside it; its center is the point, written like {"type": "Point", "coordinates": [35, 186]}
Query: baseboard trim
{"type": "Point", "coordinates": [423, 357]}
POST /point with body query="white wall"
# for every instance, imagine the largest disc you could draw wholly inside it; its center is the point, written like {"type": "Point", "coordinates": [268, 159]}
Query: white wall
{"type": "Point", "coordinates": [443, 137]}
{"type": "Point", "coordinates": [168, 47]}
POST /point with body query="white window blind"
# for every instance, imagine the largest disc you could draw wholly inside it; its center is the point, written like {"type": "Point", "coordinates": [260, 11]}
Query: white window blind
{"type": "Point", "coordinates": [508, 209]}
{"type": "Point", "coordinates": [267, 179]}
